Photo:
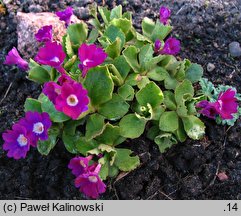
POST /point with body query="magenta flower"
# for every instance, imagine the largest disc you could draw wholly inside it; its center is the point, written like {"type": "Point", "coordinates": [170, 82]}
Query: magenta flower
{"type": "Point", "coordinates": [227, 105]}
{"type": "Point", "coordinates": [44, 34]}
{"type": "Point", "coordinates": [80, 165]}
{"type": "Point", "coordinates": [17, 141]}
{"type": "Point", "coordinates": [65, 15]}
{"type": "Point", "coordinates": [73, 100]}
{"type": "Point", "coordinates": [65, 78]}
{"type": "Point", "coordinates": [164, 15]}
{"type": "Point", "coordinates": [37, 125]}
{"type": "Point", "coordinates": [13, 58]}
{"type": "Point", "coordinates": [90, 56]}
{"type": "Point", "coordinates": [157, 45]}
{"type": "Point", "coordinates": [51, 54]}
{"type": "Point", "coordinates": [171, 47]}
{"type": "Point", "coordinates": [207, 109]}
{"type": "Point", "coordinates": [90, 183]}
{"type": "Point", "coordinates": [52, 90]}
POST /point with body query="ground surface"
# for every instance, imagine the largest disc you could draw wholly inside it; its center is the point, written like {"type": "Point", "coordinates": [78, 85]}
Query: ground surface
{"type": "Point", "coordinates": [186, 171]}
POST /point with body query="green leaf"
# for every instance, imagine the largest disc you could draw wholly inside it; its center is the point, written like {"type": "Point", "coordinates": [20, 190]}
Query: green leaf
{"type": "Point", "coordinates": [153, 132]}
{"type": "Point", "coordinates": [180, 132]}
{"type": "Point", "coordinates": [160, 31]}
{"type": "Point", "coordinates": [151, 94]}
{"type": "Point", "coordinates": [142, 81]}
{"type": "Point", "coordinates": [48, 106]}
{"type": "Point", "coordinates": [67, 46]}
{"type": "Point", "coordinates": [194, 73]}
{"type": "Point", "coordinates": [126, 92]}
{"type": "Point", "coordinates": [110, 135]}
{"type": "Point", "coordinates": [124, 161]}
{"type": "Point", "coordinates": [70, 135]}
{"type": "Point", "coordinates": [194, 127]}
{"type": "Point", "coordinates": [152, 64]}
{"type": "Point", "coordinates": [32, 105]}
{"type": "Point", "coordinates": [116, 76]}
{"type": "Point", "coordinates": [78, 33]}
{"type": "Point", "coordinates": [116, 12]}
{"type": "Point", "coordinates": [130, 54]}
{"type": "Point", "coordinates": [147, 26]}
{"type": "Point", "coordinates": [99, 84]}
{"type": "Point", "coordinates": [112, 33]}
{"type": "Point", "coordinates": [170, 82]}
{"type": "Point", "coordinates": [169, 121]}
{"type": "Point", "coordinates": [93, 36]}
{"type": "Point", "coordinates": [122, 66]}
{"type": "Point", "coordinates": [123, 24]}
{"type": "Point", "coordinates": [95, 126]}
{"type": "Point", "coordinates": [157, 74]}
{"type": "Point", "coordinates": [113, 50]}
{"type": "Point", "coordinates": [84, 146]}
{"type": "Point", "coordinates": [145, 55]}
{"type": "Point", "coordinates": [184, 92]}
{"type": "Point", "coordinates": [165, 141]}
{"type": "Point", "coordinates": [169, 100]}
{"type": "Point", "coordinates": [71, 62]}
{"type": "Point", "coordinates": [115, 108]}
{"type": "Point", "coordinates": [105, 14]}
{"type": "Point", "coordinates": [39, 74]}
{"type": "Point", "coordinates": [131, 126]}
{"type": "Point", "coordinates": [104, 171]}
{"type": "Point", "coordinates": [44, 147]}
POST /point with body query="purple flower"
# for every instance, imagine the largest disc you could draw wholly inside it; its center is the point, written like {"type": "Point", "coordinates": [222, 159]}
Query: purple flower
{"type": "Point", "coordinates": [73, 100]}
{"type": "Point", "coordinates": [207, 109]}
{"type": "Point", "coordinates": [52, 90]}
{"type": "Point", "coordinates": [80, 165]}
{"type": "Point", "coordinates": [65, 15]}
{"type": "Point", "coordinates": [51, 54]}
{"type": "Point", "coordinates": [44, 34]}
{"type": "Point", "coordinates": [90, 183]}
{"type": "Point", "coordinates": [13, 58]}
{"type": "Point", "coordinates": [37, 125]}
{"type": "Point", "coordinates": [171, 47]}
{"type": "Point", "coordinates": [157, 45]}
{"type": "Point", "coordinates": [164, 15]}
{"type": "Point", "coordinates": [227, 105]}
{"type": "Point", "coordinates": [90, 56]}
{"type": "Point", "coordinates": [17, 141]}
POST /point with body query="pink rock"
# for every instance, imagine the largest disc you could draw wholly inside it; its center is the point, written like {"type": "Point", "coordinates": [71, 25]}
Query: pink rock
{"type": "Point", "coordinates": [29, 23]}
{"type": "Point", "coordinates": [222, 176]}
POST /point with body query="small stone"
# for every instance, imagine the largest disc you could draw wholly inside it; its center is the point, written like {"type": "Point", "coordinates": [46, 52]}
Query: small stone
{"type": "Point", "coordinates": [235, 49]}
{"type": "Point", "coordinates": [222, 176]}
{"type": "Point", "coordinates": [210, 67]}
{"type": "Point", "coordinates": [29, 23]}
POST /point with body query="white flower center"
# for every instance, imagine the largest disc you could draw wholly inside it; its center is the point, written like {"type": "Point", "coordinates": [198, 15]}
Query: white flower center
{"type": "Point", "coordinates": [220, 102]}
{"type": "Point", "coordinates": [82, 163]}
{"type": "Point", "coordinates": [22, 140]}
{"type": "Point", "coordinates": [72, 100]}
{"type": "Point", "coordinates": [55, 59]}
{"type": "Point", "coordinates": [93, 179]}
{"type": "Point", "coordinates": [86, 61]}
{"type": "Point", "coordinates": [38, 128]}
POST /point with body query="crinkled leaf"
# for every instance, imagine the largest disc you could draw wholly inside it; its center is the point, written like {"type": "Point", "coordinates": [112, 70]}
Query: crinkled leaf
{"type": "Point", "coordinates": [95, 126]}
{"type": "Point", "coordinates": [165, 141]}
{"type": "Point", "coordinates": [39, 74]}
{"type": "Point", "coordinates": [112, 33]}
{"type": "Point", "coordinates": [126, 92]}
{"type": "Point", "coordinates": [124, 161]}
{"type": "Point", "coordinates": [123, 24]}
{"type": "Point", "coordinates": [151, 94]}
{"type": "Point", "coordinates": [122, 66]}
{"type": "Point", "coordinates": [84, 146]}
{"type": "Point", "coordinates": [194, 73]}
{"type": "Point", "coordinates": [194, 127]}
{"type": "Point", "coordinates": [157, 74]}
{"type": "Point", "coordinates": [113, 50]}
{"type": "Point", "coordinates": [130, 54]}
{"type": "Point", "coordinates": [116, 12]}
{"type": "Point", "coordinates": [147, 26]}
{"type": "Point", "coordinates": [145, 55]}
{"type": "Point", "coordinates": [115, 108]}
{"type": "Point", "coordinates": [169, 100]}
{"type": "Point", "coordinates": [131, 126]}
{"type": "Point", "coordinates": [160, 31]}
{"type": "Point", "coordinates": [168, 121]}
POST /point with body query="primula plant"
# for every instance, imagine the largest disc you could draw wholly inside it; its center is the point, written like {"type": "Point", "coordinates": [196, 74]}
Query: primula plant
{"type": "Point", "coordinates": [112, 83]}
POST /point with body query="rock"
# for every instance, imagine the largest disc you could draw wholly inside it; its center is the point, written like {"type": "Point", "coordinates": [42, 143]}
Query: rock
{"type": "Point", "coordinates": [29, 23]}
{"type": "Point", "coordinates": [235, 49]}
{"type": "Point", "coordinates": [210, 67]}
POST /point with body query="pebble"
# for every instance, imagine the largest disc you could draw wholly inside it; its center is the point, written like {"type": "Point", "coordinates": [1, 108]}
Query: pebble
{"type": "Point", "coordinates": [235, 49]}
{"type": "Point", "coordinates": [210, 67]}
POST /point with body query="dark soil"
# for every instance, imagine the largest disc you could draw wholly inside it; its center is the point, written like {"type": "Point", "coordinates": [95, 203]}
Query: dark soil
{"type": "Point", "coordinates": [187, 170]}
